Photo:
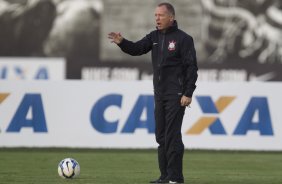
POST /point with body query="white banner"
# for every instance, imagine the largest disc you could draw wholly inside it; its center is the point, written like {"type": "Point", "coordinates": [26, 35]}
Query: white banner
{"type": "Point", "coordinates": [29, 68]}
{"type": "Point", "coordinates": [237, 116]}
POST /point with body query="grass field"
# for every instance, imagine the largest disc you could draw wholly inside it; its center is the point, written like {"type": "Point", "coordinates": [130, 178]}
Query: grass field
{"type": "Point", "coordinates": [28, 166]}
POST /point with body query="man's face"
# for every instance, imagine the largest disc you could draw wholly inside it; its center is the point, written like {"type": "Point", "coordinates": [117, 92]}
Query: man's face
{"type": "Point", "coordinates": [163, 18]}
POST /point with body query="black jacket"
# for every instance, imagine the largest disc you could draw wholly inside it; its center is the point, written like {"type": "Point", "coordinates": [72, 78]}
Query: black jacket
{"type": "Point", "coordinates": [173, 58]}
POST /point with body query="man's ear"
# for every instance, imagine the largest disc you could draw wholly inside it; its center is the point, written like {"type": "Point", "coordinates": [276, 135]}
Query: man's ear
{"type": "Point", "coordinates": [171, 18]}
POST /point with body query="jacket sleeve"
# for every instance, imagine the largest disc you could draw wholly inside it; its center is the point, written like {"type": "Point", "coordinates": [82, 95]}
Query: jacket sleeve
{"type": "Point", "coordinates": [188, 53]}
{"type": "Point", "coordinates": [140, 47]}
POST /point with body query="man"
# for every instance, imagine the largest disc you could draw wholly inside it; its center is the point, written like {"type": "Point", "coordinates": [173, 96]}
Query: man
{"type": "Point", "coordinates": [175, 74]}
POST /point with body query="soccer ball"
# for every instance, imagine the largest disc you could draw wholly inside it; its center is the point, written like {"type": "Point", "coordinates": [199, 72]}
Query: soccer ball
{"type": "Point", "coordinates": [68, 168]}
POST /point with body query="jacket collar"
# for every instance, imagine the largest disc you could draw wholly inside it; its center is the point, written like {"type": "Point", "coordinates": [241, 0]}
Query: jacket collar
{"type": "Point", "coordinates": [170, 29]}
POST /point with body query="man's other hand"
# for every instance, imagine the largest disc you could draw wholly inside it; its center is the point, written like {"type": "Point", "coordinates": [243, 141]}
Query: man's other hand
{"type": "Point", "coordinates": [185, 101]}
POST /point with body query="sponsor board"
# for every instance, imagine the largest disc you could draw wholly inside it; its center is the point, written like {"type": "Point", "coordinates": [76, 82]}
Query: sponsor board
{"type": "Point", "coordinates": [237, 116]}
{"type": "Point", "coordinates": [32, 68]}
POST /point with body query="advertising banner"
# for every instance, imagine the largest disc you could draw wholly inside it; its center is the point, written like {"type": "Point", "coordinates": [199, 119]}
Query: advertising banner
{"type": "Point", "coordinates": [12, 68]}
{"type": "Point", "coordinates": [88, 114]}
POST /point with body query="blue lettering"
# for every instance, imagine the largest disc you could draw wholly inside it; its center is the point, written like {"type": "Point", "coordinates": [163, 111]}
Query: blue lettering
{"type": "Point", "coordinates": [134, 120]}
{"type": "Point", "coordinates": [3, 73]}
{"type": "Point", "coordinates": [38, 122]}
{"type": "Point", "coordinates": [208, 106]}
{"type": "Point", "coordinates": [264, 125]}
{"type": "Point", "coordinates": [42, 74]}
{"type": "Point", "coordinates": [97, 114]}
{"type": "Point", "coordinates": [19, 72]}
{"type": "Point", "coordinates": [217, 128]}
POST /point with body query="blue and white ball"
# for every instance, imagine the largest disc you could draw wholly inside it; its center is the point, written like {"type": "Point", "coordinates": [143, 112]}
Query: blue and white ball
{"type": "Point", "coordinates": [68, 168]}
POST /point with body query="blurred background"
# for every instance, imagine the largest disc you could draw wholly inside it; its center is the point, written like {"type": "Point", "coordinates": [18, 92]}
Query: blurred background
{"type": "Point", "coordinates": [236, 40]}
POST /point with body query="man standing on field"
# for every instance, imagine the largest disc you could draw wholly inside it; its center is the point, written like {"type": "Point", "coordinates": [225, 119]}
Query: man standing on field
{"type": "Point", "coordinates": [175, 74]}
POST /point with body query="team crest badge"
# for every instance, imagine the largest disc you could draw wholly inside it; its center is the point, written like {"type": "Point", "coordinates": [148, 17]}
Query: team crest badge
{"type": "Point", "coordinates": [171, 45]}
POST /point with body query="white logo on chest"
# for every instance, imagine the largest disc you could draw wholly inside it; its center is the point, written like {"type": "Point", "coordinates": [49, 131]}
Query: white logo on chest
{"type": "Point", "coordinates": [171, 45]}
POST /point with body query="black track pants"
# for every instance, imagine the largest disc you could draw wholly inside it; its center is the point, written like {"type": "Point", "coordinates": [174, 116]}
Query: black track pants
{"type": "Point", "coordinates": [169, 115]}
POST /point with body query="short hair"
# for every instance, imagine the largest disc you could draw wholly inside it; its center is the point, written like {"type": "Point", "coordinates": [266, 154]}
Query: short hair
{"type": "Point", "coordinates": [169, 7]}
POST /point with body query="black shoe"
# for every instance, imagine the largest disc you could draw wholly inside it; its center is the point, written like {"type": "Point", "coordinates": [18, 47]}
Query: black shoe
{"type": "Point", "coordinates": [172, 181]}
{"type": "Point", "coordinates": [157, 181]}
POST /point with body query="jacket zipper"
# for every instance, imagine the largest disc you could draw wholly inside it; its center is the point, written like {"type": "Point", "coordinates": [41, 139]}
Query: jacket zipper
{"type": "Point", "coordinates": [162, 51]}
{"type": "Point", "coordinates": [163, 44]}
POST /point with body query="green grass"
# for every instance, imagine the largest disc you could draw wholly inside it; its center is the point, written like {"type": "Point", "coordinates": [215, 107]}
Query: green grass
{"type": "Point", "coordinates": [39, 166]}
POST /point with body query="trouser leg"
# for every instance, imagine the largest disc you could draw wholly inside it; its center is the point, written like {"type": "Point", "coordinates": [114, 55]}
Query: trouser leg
{"type": "Point", "coordinates": [160, 136]}
{"type": "Point", "coordinates": [168, 116]}
{"type": "Point", "coordinates": [174, 147]}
